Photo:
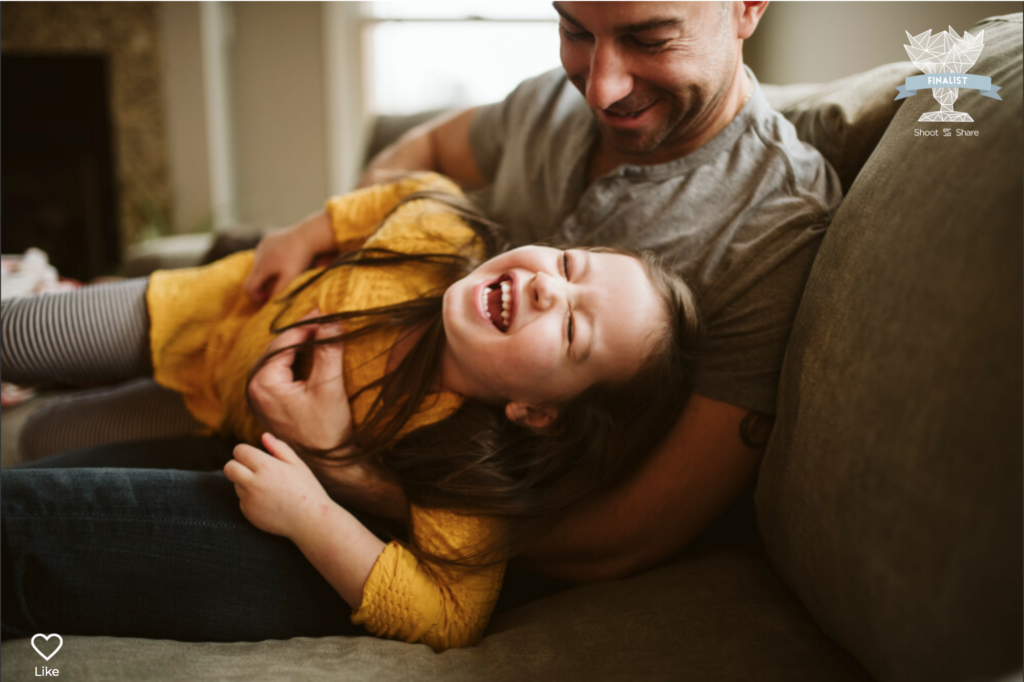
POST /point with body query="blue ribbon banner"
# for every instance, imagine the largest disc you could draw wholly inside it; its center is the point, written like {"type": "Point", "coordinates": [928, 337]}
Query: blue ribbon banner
{"type": "Point", "coordinates": [929, 81]}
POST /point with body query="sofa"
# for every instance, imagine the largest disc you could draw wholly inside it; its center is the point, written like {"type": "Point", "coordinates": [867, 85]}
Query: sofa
{"type": "Point", "coordinates": [883, 540]}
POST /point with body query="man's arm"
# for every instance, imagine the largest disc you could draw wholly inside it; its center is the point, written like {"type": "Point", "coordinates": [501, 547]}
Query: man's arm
{"type": "Point", "coordinates": [708, 459]}
{"type": "Point", "coordinates": [440, 145]}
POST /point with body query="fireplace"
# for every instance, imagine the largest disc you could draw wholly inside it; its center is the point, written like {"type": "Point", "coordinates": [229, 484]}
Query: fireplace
{"type": "Point", "coordinates": [84, 154]}
{"type": "Point", "coordinates": [58, 192]}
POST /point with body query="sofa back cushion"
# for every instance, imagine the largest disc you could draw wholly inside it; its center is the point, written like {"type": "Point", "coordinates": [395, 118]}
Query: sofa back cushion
{"type": "Point", "coordinates": [890, 494]}
{"type": "Point", "coordinates": [843, 119]}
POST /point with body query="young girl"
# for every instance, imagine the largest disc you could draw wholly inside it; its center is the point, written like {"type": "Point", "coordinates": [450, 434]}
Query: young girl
{"type": "Point", "coordinates": [497, 394]}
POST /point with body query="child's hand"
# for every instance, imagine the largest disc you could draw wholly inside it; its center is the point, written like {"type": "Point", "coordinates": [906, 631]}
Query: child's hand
{"type": "Point", "coordinates": [278, 492]}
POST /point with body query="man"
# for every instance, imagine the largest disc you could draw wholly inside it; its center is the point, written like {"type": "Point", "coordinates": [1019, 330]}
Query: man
{"type": "Point", "coordinates": [655, 137]}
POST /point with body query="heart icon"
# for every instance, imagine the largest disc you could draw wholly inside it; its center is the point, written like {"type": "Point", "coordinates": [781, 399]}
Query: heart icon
{"type": "Point", "coordinates": [60, 643]}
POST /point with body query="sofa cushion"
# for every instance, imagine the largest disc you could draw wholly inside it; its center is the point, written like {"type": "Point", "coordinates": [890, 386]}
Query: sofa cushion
{"type": "Point", "coordinates": [890, 494]}
{"type": "Point", "coordinates": [844, 118]}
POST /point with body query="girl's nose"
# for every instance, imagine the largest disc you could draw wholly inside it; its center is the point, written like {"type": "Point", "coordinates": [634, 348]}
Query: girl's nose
{"type": "Point", "coordinates": [545, 291]}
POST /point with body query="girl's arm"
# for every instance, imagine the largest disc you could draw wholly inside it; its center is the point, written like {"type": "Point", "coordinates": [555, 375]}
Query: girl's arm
{"type": "Point", "coordinates": [443, 606]}
{"type": "Point", "coordinates": [391, 592]}
{"type": "Point", "coordinates": [341, 549]}
{"type": "Point", "coordinates": [280, 495]}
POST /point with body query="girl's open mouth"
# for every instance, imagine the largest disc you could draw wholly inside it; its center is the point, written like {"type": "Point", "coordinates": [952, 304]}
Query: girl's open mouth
{"type": "Point", "coordinates": [496, 300]}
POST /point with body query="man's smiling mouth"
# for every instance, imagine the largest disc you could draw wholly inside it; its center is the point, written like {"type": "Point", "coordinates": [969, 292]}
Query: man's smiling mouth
{"type": "Point", "coordinates": [629, 114]}
{"type": "Point", "coordinates": [496, 300]}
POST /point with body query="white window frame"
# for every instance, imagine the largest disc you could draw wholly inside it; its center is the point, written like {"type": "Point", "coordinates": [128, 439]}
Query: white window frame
{"type": "Point", "coordinates": [348, 77]}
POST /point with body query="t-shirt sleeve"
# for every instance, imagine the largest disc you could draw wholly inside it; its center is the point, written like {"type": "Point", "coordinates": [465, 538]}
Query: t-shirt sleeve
{"type": "Point", "coordinates": [781, 201]}
{"type": "Point", "coordinates": [487, 138]}
{"type": "Point", "coordinates": [355, 216]}
{"type": "Point", "coordinates": [442, 606]}
{"type": "Point", "coordinates": [492, 124]}
{"type": "Point", "coordinates": [746, 340]}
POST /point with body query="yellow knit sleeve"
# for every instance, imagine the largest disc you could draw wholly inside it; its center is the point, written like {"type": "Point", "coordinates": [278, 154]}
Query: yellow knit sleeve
{"type": "Point", "coordinates": [354, 216]}
{"type": "Point", "coordinates": [444, 607]}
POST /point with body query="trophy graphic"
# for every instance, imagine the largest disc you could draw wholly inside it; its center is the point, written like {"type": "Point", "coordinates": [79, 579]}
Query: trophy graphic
{"type": "Point", "coordinates": [945, 52]}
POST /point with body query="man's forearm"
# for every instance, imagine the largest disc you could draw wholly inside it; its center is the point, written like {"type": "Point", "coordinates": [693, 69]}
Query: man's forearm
{"type": "Point", "coordinates": [703, 466]}
{"type": "Point", "coordinates": [440, 145]}
{"type": "Point", "coordinates": [414, 151]}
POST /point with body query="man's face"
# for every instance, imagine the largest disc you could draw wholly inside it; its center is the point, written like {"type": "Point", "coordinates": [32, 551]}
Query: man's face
{"type": "Point", "coordinates": [654, 73]}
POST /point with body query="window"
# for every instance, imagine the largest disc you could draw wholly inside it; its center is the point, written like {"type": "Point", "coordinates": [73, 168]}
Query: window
{"type": "Point", "coordinates": [433, 55]}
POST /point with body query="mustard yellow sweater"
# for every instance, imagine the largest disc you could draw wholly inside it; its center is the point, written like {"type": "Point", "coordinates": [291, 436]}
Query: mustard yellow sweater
{"type": "Point", "coordinates": [206, 335]}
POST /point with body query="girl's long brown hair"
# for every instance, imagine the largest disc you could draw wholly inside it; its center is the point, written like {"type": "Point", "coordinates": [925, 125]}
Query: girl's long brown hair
{"type": "Point", "coordinates": [477, 462]}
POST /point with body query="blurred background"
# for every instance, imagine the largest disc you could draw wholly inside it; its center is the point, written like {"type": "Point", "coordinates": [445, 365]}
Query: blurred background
{"type": "Point", "coordinates": [124, 122]}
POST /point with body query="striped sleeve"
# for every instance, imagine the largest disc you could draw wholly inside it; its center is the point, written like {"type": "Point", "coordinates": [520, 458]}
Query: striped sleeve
{"type": "Point", "coordinates": [97, 334]}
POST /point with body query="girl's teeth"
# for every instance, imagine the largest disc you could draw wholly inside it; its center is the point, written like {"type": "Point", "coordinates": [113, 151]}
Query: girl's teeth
{"type": "Point", "coordinates": [506, 299]}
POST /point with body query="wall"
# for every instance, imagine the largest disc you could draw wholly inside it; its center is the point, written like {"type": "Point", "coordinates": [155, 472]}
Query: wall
{"type": "Point", "coordinates": [810, 42]}
{"type": "Point", "coordinates": [127, 33]}
{"type": "Point", "coordinates": [278, 104]}
{"type": "Point", "coordinates": [186, 106]}
{"type": "Point", "coordinates": [248, 135]}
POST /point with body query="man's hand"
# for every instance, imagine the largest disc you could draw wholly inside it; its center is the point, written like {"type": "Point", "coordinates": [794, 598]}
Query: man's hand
{"type": "Point", "coordinates": [277, 492]}
{"type": "Point", "coordinates": [311, 413]}
{"type": "Point", "coordinates": [283, 254]}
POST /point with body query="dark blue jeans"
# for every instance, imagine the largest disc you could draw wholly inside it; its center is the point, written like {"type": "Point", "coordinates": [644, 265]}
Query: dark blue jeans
{"type": "Point", "coordinates": [93, 547]}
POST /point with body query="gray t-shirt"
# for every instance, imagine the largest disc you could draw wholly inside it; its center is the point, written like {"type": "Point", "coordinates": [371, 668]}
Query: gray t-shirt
{"type": "Point", "coordinates": [740, 218]}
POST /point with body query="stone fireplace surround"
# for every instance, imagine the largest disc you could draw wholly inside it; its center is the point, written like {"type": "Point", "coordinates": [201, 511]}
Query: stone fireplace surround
{"type": "Point", "coordinates": [127, 34]}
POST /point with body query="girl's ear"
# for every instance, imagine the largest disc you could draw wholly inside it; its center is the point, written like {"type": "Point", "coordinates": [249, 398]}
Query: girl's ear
{"type": "Point", "coordinates": [530, 417]}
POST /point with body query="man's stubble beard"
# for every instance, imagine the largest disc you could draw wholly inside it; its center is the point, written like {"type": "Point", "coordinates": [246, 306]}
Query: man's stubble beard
{"type": "Point", "coordinates": [660, 135]}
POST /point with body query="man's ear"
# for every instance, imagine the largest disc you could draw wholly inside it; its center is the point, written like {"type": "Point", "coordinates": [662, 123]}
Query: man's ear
{"type": "Point", "coordinates": [750, 17]}
{"type": "Point", "coordinates": [530, 417]}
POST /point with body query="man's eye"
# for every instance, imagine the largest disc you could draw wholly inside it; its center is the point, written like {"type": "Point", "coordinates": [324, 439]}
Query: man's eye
{"type": "Point", "coordinates": [648, 45]}
{"type": "Point", "coordinates": [570, 330]}
{"type": "Point", "coordinates": [571, 36]}
{"type": "Point", "coordinates": [565, 264]}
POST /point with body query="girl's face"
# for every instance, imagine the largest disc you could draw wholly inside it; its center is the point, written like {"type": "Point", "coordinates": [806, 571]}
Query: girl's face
{"type": "Point", "coordinates": [537, 326]}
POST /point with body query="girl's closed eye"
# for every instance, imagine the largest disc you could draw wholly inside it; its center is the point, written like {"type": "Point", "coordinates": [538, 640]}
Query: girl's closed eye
{"type": "Point", "coordinates": [566, 270]}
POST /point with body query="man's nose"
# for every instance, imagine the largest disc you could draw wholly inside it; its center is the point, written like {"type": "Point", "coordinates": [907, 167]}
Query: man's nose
{"type": "Point", "coordinates": [610, 79]}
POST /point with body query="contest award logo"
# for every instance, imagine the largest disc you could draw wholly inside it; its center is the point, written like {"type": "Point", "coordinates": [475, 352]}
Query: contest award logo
{"type": "Point", "coordinates": [944, 58]}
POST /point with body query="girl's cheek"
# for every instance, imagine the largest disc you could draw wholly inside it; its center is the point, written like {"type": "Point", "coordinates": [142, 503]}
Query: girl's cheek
{"type": "Point", "coordinates": [535, 355]}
